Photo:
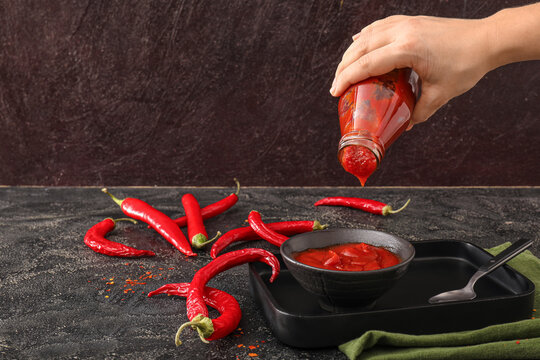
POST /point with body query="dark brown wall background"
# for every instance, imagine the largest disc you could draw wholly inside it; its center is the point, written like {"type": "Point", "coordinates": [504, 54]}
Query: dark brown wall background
{"type": "Point", "coordinates": [198, 92]}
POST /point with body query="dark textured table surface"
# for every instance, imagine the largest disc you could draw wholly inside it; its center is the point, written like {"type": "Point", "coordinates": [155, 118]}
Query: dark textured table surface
{"type": "Point", "coordinates": [58, 299]}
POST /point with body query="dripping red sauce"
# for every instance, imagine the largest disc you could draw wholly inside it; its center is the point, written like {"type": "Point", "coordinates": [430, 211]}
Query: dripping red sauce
{"type": "Point", "coordinates": [359, 161]}
{"type": "Point", "coordinates": [348, 257]}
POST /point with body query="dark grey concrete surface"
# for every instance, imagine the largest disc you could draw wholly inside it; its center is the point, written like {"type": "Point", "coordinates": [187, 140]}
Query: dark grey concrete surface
{"type": "Point", "coordinates": [53, 289]}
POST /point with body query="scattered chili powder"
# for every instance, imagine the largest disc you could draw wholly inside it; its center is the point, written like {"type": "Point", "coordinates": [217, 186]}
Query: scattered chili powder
{"type": "Point", "coordinates": [253, 354]}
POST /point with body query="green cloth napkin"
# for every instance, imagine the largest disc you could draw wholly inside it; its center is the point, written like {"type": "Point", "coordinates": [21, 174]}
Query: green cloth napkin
{"type": "Point", "coordinates": [517, 340]}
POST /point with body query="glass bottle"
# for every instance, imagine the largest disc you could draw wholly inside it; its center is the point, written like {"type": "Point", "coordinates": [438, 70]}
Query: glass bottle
{"type": "Point", "coordinates": [372, 114]}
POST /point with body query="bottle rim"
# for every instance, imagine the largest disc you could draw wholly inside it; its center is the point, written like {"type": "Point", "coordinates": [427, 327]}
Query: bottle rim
{"type": "Point", "coordinates": [361, 139]}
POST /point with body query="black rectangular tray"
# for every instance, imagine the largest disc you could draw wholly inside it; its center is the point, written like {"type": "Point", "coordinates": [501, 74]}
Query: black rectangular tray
{"type": "Point", "coordinates": [296, 318]}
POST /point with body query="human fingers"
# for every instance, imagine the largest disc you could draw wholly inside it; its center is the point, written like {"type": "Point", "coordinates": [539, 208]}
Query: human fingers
{"type": "Point", "coordinates": [376, 62]}
{"type": "Point", "coordinates": [366, 43]}
{"type": "Point", "coordinates": [379, 24]}
{"type": "Point", "coordinates": [430, 101]}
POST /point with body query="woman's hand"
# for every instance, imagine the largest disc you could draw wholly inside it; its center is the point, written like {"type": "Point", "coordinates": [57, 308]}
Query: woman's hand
{"type": "Point", "coordinates": [449, 55]}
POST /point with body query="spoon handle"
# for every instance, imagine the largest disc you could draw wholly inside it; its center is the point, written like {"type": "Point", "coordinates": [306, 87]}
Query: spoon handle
{"type": "Point", "coordinates": [513, 250]}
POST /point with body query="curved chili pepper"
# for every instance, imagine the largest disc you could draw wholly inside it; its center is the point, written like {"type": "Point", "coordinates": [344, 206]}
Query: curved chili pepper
{"type": "Point", "coordinates": [264, 231]}
{"type": "Point", "coordinates": [246, 233]}
{"type": "Point", "coordinates": [371, 206]}
{"type": "Point", "coordinates": [196, 231]}
{"type": "Point", "coordinates": [214, 209]}
{"type": "Point", "coordinates": [95, 239]}
{"type": "Point", "coordinates": [196, 309]}
{"type": "Point", "coordinates": [226, 304]}
{"type": "Point", "coordinates": [160, 222]}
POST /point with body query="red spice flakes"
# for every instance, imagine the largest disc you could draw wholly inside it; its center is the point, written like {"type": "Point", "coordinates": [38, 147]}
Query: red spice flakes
{"type": "Point", "coordinates": [134, 282]}
{"type": "Point", "coordinates": [240, 345]}
{"type": "Point", "coordinates": [171, 268]}
{"type": "Point", "coordinates": [126, 264]}
{"type": "Point", "coordinates": [253, 354]}
{"type": "Point", "coordinates": [251, 347]}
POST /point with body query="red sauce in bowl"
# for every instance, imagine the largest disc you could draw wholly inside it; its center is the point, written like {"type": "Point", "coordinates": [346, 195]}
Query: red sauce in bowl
{"type": "Point", "coordinates": [348, 257]}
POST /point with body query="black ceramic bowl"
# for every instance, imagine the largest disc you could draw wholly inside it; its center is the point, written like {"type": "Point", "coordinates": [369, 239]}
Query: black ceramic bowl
{"type": "Point", "coordinates": [344, 290]}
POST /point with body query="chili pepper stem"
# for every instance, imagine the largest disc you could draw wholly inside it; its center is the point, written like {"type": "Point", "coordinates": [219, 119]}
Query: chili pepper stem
{"type": "Point", "coordinates": [204, 327]}
{"type": "Point", "coordinates": [318, 226]}
{"type": "Point", "coordinates": [237, 186]}
{"type": "Point", "coordinates": [200, 240]}
{"type": "Point", "coordinates": [116, 200]}
{"type": "Point", "coordinates": [388, 209]}
{"type": "Point", "coordinates": [123, 219]}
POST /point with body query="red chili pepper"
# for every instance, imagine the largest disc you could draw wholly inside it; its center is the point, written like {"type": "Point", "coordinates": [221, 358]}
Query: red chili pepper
{"type": "Point", "coordinates": [196, 309]}
{"type": "Point", "coordinates": [264, 231]}
{"type": "Point", "coordinates": [196, 231]}
{"type": "Point", "coordinates": [371, 206]}
{"type": "Point", "coordinates": [246, 233]}
{"type": "Point", "coordinates": [95, 239]}
{"type": "Point", "coordinates": [160, 222]}
{"type": "Point", "coordinates": [214, 209]}
{"type": "Point", "coordinates": [226, 304]}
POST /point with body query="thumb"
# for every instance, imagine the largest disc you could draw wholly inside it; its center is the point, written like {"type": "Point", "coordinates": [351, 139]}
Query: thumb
{"type": "Point", "coordinates": [430, 101]}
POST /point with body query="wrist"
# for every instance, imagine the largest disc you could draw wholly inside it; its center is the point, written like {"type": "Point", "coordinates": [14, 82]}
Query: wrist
{"type": "Point", "coordinates": [513, 35]}
{"type": "Point", "coordinates": [497, 51]}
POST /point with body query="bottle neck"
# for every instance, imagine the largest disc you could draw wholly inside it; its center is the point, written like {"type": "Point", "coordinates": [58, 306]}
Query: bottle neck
{"type": "Point", "coordinates": [358, 138]}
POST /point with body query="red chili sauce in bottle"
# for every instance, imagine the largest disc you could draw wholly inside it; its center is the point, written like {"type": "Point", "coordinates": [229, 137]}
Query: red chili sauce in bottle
{"type": "Point", "coordinates": [372, 114]}
{"type": "Point", "coordinates": [348, 257]}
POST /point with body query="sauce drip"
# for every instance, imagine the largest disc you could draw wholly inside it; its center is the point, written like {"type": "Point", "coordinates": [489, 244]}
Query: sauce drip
{"type": "Point", "coordinates": [359, 161]}
{"type": "Point", "coordinates": [348, 257]}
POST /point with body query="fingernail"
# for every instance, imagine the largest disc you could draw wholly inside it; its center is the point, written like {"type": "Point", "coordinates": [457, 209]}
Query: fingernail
{"type": "Point", "coordinates": [332, 90]}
